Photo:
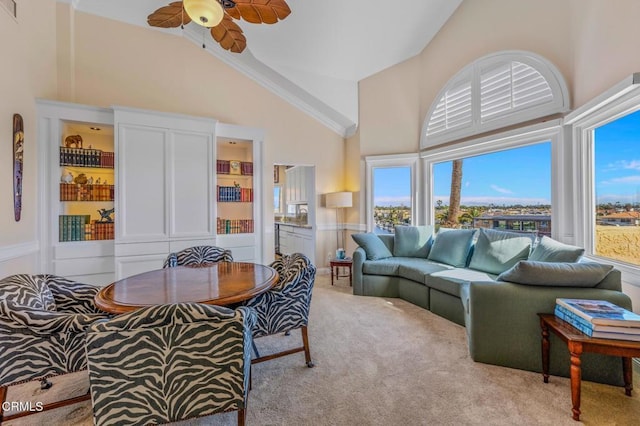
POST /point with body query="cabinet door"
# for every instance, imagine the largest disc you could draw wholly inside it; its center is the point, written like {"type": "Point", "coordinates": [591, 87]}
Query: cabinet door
{"type": "Point", "coordinates": [191, 197]}
{"type": "Point", "coordinates": [142, 195]}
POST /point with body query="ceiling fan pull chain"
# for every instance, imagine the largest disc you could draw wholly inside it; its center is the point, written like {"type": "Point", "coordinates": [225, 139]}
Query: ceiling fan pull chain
{"type": "Point", "coordinates": [203, 45]}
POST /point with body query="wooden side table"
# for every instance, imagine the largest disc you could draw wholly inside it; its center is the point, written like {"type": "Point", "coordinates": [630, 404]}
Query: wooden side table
{"type": "Point", "coordinates": [347, 262]}
{"type": "Point", "coordinates": [578, 342]}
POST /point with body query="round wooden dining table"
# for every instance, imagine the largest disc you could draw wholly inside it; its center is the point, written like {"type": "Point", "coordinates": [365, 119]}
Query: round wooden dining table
{"type": "Point", "coordinates": [222, 283]}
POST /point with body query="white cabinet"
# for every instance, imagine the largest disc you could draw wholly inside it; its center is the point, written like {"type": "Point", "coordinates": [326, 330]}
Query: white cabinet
{"type": "Point", "coordinates": [165, 181]}
{"type": "Point", "coordinates": [297, 185]}
{"type": "Point", "coordinates": [296, 239]}
{"type": "Point", "coordinates": [74, 242]}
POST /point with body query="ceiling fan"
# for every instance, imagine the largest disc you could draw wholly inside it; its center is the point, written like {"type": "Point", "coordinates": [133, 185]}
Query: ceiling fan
{"type": "Point", "coordinates": [217, 14]}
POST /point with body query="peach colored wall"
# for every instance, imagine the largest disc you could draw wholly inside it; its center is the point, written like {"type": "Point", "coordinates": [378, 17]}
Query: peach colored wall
{"type": "Point", "coordinates": [28, 71]}
{"type": "Point", "coordinates": [169, 73]}
{"type": "Point", "coordinates": [605, 49]}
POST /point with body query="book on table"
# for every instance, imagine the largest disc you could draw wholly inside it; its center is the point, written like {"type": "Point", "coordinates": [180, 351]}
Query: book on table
{"type": "Point", "coordinates": [601, 331]}
{"type": "Point", "coordinates": [600, 312]}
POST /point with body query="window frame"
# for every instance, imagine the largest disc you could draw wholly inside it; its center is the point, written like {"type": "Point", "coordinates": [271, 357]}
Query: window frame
{"type": "Point", "coordinates": [472, 73]}
{"type": "Point", "coordinates": [523, 136]}
{"type": "Point", "coordinates": [410, 160]}
{"type": "Point", "coordinates": [622, 99]}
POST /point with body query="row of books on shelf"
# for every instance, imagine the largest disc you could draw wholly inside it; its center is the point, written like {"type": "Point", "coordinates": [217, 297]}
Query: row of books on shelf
{"type": "Point", "coordinates": [235, 193]}
{"type": "Point", "coordinates": [234, 226]}
{"type": "Point", "coordinates": [78, 227]}
{"type": "Point", "coordinates": [223, 167]}
{"type": "Point", "coordinates": [78, 192]}
{"type": "Point", "coordinates": [599, 318]}
{"type": "Point", "coordinates": [86, 157]}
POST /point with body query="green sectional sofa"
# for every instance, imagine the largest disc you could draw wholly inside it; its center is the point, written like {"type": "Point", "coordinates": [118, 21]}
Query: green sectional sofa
{"type": "Point", "coordinates": [493, 283]}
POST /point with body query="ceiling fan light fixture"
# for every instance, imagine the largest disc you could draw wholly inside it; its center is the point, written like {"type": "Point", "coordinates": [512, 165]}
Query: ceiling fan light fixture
{"type": "Point", "coordinates": [207, 13]}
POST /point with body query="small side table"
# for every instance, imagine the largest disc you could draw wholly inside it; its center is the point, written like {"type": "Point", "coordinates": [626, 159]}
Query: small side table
{"type": "Point", "coordinates": [578, 342]}
{"type": "Point", "coordinates": [347, 262]}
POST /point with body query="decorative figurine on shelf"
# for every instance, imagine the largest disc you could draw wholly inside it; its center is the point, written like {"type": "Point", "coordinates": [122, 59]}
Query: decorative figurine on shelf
{"type": "Point", "coordinates": [90, 180]}
{"type": "Point", "coordinates": [105, 182]}
{"type": "Point", "coordinates": [81, 179]}
{"type": "Point", "coordinates": [67, 178]}
{"type": "Point", "coordinates": [236, 184]}
{"type": "Point", "coordinates": [98, 181]}
{"type": "Point", "coordinates": [73, 141]}
{"type": "Point", "coordinates": [105, 215]}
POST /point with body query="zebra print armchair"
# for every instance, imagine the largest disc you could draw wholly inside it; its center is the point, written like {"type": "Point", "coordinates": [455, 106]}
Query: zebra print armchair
{"type": "Point", "coordinates": [285, 307]}
{"type": "Point", "coordinates": [43, 319]}
{"type": "Point", "coordinates": [171, 362]}
{"type": "Point", "coordinates": [198, 255]}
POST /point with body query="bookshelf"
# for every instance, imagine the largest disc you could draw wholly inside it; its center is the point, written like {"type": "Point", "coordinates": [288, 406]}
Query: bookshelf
{"type": "Point", "coordinates": [86, 190]}
{"type": "Point", "coordinates": [234, 188]}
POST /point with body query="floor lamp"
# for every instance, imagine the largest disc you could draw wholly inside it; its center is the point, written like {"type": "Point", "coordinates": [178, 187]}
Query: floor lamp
{"type": "Point", "coordinates": [339, 201]}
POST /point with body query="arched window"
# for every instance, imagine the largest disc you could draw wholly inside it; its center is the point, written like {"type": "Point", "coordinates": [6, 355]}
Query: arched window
{"type": "Point", "coordinates": [495, 91]}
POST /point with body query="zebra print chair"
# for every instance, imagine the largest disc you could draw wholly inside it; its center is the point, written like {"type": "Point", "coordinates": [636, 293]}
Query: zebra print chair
{"type": "Point", "coordinates": [286, 306]}
{"type": "Point", "coordinates": [172, 362]}
{"type": "Point", "coordinates": [198, 255]}
{"type": "Point", "coordinates": [43, 319]}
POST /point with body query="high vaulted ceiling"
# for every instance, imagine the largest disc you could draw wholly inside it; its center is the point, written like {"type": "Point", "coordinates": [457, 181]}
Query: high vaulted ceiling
{"type": "Point", "coordinates": [317, 55]}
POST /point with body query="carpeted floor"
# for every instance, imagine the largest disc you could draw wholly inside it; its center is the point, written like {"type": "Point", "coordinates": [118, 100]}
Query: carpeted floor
{"type": "Point", "coordinates": [384, 362]}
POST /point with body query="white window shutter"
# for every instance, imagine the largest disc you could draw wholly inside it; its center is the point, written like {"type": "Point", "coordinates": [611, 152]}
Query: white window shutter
{"type": "Point", "coordinates": [493, 92]}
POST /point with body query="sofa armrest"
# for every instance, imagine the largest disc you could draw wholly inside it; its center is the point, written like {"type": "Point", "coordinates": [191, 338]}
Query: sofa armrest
{"type": "Point", "coordinates": [359, 256]}
{"type": "Point", "coordinates": [503, 327]}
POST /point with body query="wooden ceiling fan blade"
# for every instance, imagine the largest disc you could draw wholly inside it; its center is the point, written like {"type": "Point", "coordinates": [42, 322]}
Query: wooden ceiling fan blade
{"type": "Point", "coordinates": [229, 35]}
{"type": "Point", "coordinates": [170, 16]}
{"type": "Point", "coordinates": [260, 11]}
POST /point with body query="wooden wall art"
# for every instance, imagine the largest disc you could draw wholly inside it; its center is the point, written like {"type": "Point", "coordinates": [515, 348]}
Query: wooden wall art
{"type": "Point", "coordinates": [18, 160]}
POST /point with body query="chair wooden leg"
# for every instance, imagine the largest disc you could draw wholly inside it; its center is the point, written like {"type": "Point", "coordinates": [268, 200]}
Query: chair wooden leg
{"type": "Point", "coordinates": [241, 417]}
{"type": "Point", "coordinates": [305, 343]}
{"type": "Point", "coordinates": [3, 395]}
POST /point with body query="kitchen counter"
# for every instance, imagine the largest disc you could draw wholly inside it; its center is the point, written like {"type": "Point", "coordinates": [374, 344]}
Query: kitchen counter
{"type": "Point", "coordinates": [296, 225]}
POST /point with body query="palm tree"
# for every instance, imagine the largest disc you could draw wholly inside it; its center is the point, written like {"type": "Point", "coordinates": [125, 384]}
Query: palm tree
{"type": "Point", "coordinates": [470, 214]}
{"type": "Point", "coordinates": [454, 196]}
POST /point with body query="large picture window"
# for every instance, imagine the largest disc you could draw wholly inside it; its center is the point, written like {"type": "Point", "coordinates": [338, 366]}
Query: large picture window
{"type": "Point", "coordinates": [606, 148]}
{"type": "Point", "coordinates": [616, 153]}
{"type": "Point", "coordinates": [509, 190]}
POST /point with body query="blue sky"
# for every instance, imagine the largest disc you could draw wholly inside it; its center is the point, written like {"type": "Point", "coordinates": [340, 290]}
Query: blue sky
{"type": "Point", "coordinates": [523, 175]}
{"type": "Point", "coordinates": [617, 160]}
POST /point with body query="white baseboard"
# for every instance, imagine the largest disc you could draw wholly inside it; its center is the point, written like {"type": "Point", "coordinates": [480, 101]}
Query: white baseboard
{"type": "Point", "coordinates": [18, 250]}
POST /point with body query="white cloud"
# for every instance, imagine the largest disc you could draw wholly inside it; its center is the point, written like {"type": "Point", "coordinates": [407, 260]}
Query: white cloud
{"type": "Point", "coordinates": [623, 165]}
{"type": "Point", "coordinates": [627, 180]}
{"type": "Point", "coordinates": [496, 201]}
{"type": "Point", "coordinates": [392, 201]}
{"type": "Point", "coordinates": [501, 190]}
{"type": "Point", "coordinates": [614, 198]}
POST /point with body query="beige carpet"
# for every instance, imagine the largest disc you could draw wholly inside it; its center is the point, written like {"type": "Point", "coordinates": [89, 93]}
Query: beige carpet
{"type": "Point", "coordinates": [388, 362]}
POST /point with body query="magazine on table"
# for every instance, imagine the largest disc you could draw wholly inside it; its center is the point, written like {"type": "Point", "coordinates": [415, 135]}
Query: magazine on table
{"type": "Point", "coordinates": [601, 312]}
{"type": "Point", "coordinates": [612, 332]}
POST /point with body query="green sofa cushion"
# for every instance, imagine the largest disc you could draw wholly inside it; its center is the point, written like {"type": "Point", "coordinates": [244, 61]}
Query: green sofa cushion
{"type": "Point", "coordinates": [372, 245]}
{"type": "Point", "coordinates": [388, 266]}
{"type": "Point", "coordinates": [450, 281]}
{"type": "Point", "coordinates": [497, 251]}
{"type": "Point", "coordinates": [550, 250]}
{"type": "Point", "coordinates": [416, 269]}
{"type": "Point", "coordinates": [556, 274]}
{"type": "Point", "coordinates": [452, 246]}
{"type": "Point", "coordinates": [412, 241]}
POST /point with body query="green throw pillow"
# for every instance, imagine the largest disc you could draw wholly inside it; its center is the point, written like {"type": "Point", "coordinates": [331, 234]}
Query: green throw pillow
{"type": "Point", "coordinates": [556, 274]}
{"type": "Point", "coordinates": [497, 251]}
{"type": "Point", "coordinates": [412, 241]}
{"type": "Point", "coordinates": [550, 250]}
{"type": "Point", "coordinates": [372, 245]}
{"type": "Point", "coordinates": [452, 246]}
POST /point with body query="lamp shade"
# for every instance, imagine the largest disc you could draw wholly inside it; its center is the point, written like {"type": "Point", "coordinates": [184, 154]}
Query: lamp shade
{"type": "Point", "coordinates": [335, 200]}
{"type": "Point", "coordinates": [207, 13]}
